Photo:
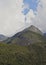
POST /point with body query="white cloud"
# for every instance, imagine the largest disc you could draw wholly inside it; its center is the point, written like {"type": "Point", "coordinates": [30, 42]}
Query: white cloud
{"type": "Point", "coordinates": [30, 16]}
{"type": "Point", "coordinates": [11, 18]}
{"type": "Point", "coordinates": [40, 19]}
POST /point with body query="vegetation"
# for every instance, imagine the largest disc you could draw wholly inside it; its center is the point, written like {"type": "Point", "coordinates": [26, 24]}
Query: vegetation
{"type": "Point", "coordinates": [12, 54]}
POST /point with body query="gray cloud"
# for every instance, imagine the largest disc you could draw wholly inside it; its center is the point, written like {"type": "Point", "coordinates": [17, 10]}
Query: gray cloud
{"type": "Point", "coordinates": [11, 18]}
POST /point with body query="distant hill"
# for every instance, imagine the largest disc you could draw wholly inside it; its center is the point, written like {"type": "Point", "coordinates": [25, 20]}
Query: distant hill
{"type": "Point", "coordinates": [26, 37]}
{"type": "Point", "coordinates": [2, 37]}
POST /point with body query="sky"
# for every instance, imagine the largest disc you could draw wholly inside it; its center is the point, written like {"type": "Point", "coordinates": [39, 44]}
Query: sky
{"type": "Point", "coordinates": [16, 15]}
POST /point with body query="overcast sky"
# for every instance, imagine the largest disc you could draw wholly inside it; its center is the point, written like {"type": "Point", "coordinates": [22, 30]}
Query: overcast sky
{"type": "Point", "coordinates": [15, 15]}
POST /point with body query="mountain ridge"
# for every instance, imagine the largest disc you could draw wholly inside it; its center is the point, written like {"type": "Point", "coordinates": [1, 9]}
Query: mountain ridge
{"type": "Point", "coordinates": [26, 37]}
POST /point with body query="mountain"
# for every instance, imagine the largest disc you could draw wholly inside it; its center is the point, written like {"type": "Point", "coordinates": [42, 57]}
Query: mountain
{"type": "Point", "coordinates": [26, 37]}
{"type": "Point", "coordinates": [27, 47]}
{"type": "Point", "coordinates": [2, 37]}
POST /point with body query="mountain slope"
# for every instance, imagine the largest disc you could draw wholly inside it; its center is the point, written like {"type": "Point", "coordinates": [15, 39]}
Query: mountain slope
{"type": "Point", "coordinates": [35, 29]}
{"type": "Point", "coordinates": [27, 37]}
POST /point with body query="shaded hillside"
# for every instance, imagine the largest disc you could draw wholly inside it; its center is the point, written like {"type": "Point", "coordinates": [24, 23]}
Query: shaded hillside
{"type": "Point", "coordinates": [45, 35]}
{"type": "Point", "coordinates": [12, 54]}
{"type": "Point", "coordinates": [26, 37]}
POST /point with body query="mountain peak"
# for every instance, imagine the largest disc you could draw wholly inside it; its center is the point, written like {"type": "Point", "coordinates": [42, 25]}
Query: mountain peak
{"type": "Point", "coordinates": [35, 29]}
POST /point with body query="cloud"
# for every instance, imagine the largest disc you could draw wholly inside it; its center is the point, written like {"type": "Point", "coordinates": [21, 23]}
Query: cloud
{"type": "Point", "coordinates": [12, 19]}
{"type": "Point", "coordinates": [29, 17]}
{"type": "Point", "coordinates": [40, 18]}
{"type": "Point", "coordinates": [31, 4]}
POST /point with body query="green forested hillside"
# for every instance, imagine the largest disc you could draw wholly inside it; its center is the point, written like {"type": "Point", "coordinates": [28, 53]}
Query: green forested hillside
{"type": "Point", "coordinates": [12, 54]}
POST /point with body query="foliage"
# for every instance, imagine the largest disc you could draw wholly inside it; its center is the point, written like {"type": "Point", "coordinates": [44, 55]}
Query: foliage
{"type": "Point", "coordinates": [12, 54]}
